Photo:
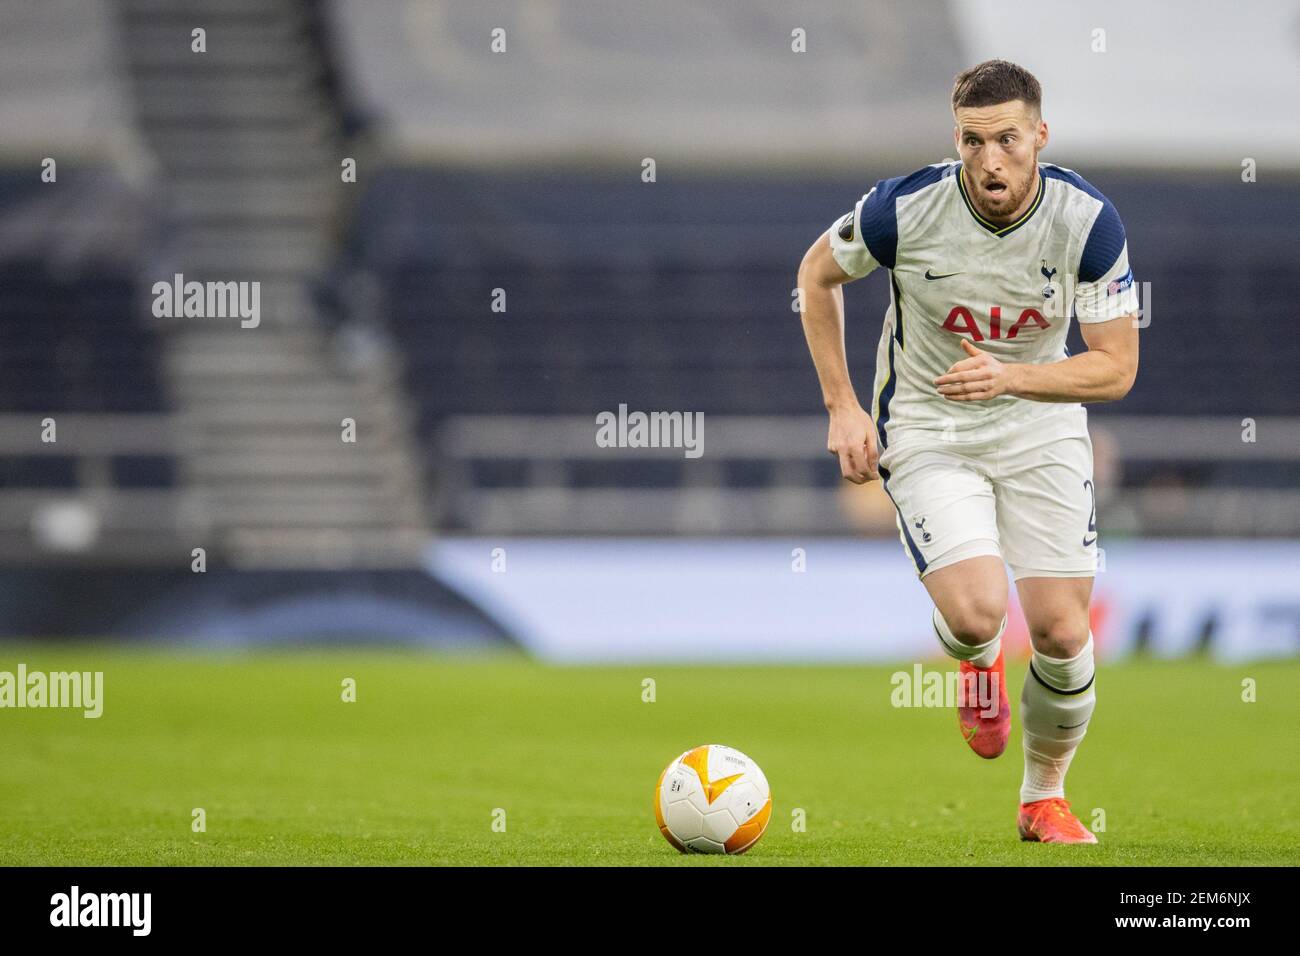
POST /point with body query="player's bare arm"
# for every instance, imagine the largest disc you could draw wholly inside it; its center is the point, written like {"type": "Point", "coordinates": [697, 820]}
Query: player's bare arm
{"type": "Point", "coordinates": [851, 435]}
{"type": "Point", "coordinates": [1104, 373]}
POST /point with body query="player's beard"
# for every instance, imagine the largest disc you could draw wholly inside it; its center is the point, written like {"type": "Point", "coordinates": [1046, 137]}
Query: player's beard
{"type": "Point", "coordinates": [1017, 192]}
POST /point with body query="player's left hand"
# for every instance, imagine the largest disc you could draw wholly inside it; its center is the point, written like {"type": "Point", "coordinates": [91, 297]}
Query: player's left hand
{"type": "Point", "coordinates": [976, 378]}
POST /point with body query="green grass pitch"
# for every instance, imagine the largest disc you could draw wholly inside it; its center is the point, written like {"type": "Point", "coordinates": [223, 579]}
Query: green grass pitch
{"type": "Point", "coordinates": [1186, 772]}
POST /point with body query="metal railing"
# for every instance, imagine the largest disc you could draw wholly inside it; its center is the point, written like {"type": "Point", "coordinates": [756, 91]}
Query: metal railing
{"type": "Point", "coordinates": [93, 518]}
{"type": "Point", "coordinates": [544, 456]}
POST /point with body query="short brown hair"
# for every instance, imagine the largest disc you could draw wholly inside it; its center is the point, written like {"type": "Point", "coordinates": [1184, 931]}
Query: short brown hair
{"type": "Point", "coordinates": [996, 81]}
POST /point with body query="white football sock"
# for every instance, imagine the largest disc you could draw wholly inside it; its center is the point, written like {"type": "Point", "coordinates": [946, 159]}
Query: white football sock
{"type": "Point", "coordinates": [1055, 707]}
{"type": "Point", "coordinates": [981, 655]}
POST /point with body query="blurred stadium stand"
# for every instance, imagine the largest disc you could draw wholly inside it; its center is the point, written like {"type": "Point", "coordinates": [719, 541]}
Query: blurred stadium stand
{"type": "Point", "coordinates": [248, 142]}
{"type": "Point", "coordinates": [677, 295]}
{"type": "Point", "coordinates": [711, 81]}
{"type": "Point", "coordinates": [522, 172]}
{"type": "Point", "coordinates": [62, 82]}
{"type": "Point", "coordinates": [75, 347]}
{"type": "Point", "coordinates": [237, 152]}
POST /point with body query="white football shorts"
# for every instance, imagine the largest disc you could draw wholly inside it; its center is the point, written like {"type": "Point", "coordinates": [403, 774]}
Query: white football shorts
{"type": "Point", "coordinates": [1027, 497]}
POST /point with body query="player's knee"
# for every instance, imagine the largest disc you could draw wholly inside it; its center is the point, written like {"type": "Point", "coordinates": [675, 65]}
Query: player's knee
{"type": "Point", "coordinates": [975, 621]}
{"type": "Point", "coordinates": [1061, 637]}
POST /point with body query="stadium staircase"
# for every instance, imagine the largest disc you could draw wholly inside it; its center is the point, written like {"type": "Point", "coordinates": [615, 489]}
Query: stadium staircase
{"type": "Point", "coordinates": [248, 142]}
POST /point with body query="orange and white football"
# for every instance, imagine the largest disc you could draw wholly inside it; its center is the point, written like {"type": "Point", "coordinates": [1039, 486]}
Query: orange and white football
{"type": "Point", "coordinates": [712, 799]}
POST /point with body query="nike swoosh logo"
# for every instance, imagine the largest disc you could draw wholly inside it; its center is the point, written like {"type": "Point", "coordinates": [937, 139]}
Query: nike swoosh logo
{"type": "Point", "coordinates": [968, 737]}
{"type": "Point", "coordinates": [945, 276]}
{"type": "Point", "coordinates": [1087, 543]}
{"type": "Point", "coordinates": [1071, 727]}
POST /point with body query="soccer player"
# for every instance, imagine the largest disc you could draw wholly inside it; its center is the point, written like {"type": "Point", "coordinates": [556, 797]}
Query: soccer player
{"type": "Point", "coordinates": [976, 429]}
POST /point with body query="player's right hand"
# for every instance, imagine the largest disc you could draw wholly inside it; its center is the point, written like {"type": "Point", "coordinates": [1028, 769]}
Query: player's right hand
{"type": "Point", "coordinates": [852, 439]}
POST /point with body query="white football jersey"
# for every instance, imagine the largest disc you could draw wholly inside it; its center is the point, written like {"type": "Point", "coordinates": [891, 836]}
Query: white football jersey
{"type": "Point", "coordinates": [1010, 290]}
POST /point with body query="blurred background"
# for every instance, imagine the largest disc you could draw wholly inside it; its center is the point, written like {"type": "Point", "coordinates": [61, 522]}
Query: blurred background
{"type": "Point", "coordinates": [475, 228]}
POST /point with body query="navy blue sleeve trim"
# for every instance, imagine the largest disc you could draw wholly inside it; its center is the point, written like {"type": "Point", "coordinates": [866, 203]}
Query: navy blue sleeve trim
{"type": "Point", "coordinates": [1105, 243]}
{"type": "Point", "coordinates": [1106, 240]}
{"type": "Point", "coordinates": [879, 220]}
